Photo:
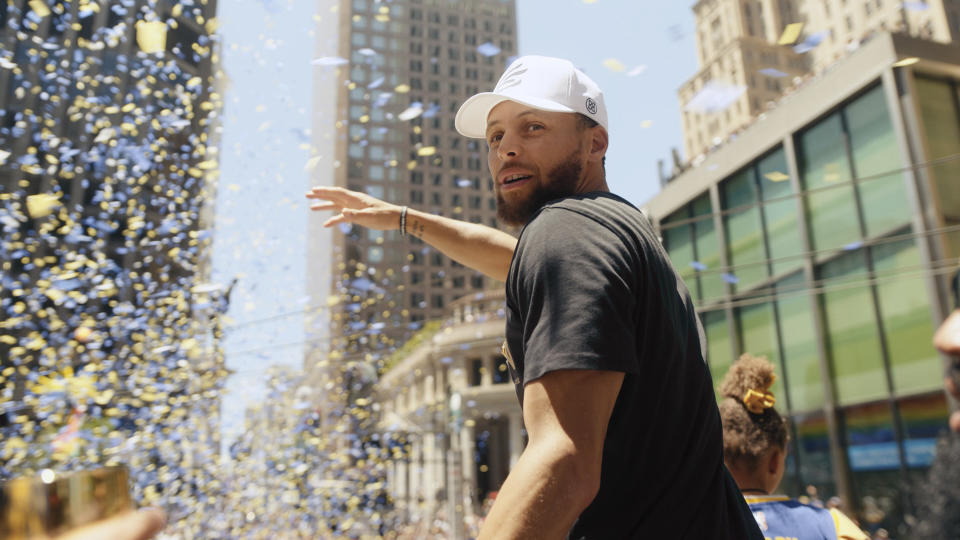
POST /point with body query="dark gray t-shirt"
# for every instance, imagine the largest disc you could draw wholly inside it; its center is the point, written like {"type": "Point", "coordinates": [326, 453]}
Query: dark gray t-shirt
{"type": "Point", "coordinates": [590, 287]}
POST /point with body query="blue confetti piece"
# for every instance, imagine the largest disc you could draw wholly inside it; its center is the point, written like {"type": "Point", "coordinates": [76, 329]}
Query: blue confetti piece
{"type": "Point", "coordinates": [698, 266]}
{"type": "Point", "coordinates": [852, 246]}
{"type": "Point", "coordinates": [772, 72]}
{"type": "Point", "coordinates": [730, 278]}
{"type": "Point", "coordinates": [488, 49]}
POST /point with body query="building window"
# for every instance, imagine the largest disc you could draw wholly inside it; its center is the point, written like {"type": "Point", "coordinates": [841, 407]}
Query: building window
{"type": "Point", "coordinates": [853, 340]}
{"type": "Point", "coordinates": [801, 363]}
{"type": "Point", "coordinates": [875, 155]}
{"type": "Point", "coordinates": [941, 121]}
{"type": "Point", "coordinates": [476, 371]}
{"type": "Point", "coordinates": [779, 212]}
{"type": "Point", "coordinates": [831, 211]}
{"type": "Point", "coordinates": [719, 351]}
{"type": "Point", "coordinates": [904, 307]}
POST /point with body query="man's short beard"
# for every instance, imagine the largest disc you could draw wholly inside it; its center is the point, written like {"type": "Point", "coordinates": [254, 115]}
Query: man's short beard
{"type": "Point", "coordinates": [560, 182]}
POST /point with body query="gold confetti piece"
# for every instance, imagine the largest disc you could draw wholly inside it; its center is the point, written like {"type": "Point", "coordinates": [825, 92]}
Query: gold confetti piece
{"type": "Point", "coordinates": [427, 151]}
{"type": "Point", "coordinates": [39, 7]}
{"type": "Point", "coordinates": [42, 205]}
{"type": "Point", "coordinates": [82, 334]}
{"type": "Point", "coordinates": [589, 1]}
{"type": "Point", "coordinates": [906, 62]}
{"type": "Point", "coordinates": [776, 176]}
{"type": "Point", "coordinates": [103, 397]}
{"type": "Point", "coordinates": [177, 10]}
{"type": "Point", "coordinates": [411, 165]}
{"type": "Point", "coordinates": [646, 123]}
{"type": "Point", "coordinates": [3, 156]}
{"type": "Point", "coordinates": [402, 89]}
{"type": "Point", "coordinates": [790, 34]}
{"type": "Point", "coordinates": [614, 65]}
{"type": "Point", "coordinates": [152, 36]}
{"type": "Point", "coordinates": [312, 163]}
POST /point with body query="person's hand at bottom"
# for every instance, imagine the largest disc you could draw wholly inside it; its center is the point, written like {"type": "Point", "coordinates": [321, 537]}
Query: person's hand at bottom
{"type": "Point", "coordinates": [135, 525]}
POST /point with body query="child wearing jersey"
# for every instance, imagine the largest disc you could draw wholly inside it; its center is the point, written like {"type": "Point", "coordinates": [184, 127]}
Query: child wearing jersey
{"type": "Point", "coordinates": [754, 451]}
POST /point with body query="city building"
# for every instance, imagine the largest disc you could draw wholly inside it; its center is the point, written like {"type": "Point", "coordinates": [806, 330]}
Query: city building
{"type": "Point", "coordinates": [450, 393]}
{"type": "Point", "coordinates": [823, 237]}
{"type": "Point", "coordinates": [405, 67]}
{"type": "Point", "coordinates": [751, 52]}
{"type": "Point", "coordinates": [108, 165]}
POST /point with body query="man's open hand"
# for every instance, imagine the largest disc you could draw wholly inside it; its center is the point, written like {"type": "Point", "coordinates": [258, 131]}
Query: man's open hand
{"type": "Point", "coordinates": [356, 208]}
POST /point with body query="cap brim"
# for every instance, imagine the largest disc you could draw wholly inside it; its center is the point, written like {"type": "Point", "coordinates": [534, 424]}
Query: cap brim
{"type": "Point", "coordinates": [471, 119]}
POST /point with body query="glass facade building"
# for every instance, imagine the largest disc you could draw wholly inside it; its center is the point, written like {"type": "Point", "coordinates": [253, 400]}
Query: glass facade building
{"type": "Point", "coordinates": [823, 239]}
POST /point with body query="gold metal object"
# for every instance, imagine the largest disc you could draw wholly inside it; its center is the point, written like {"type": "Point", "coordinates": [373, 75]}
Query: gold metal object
{"type": "Point", "coordinates": [51, 503]}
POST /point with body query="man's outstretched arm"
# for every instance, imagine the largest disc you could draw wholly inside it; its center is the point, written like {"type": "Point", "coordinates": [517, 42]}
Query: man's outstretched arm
{"type": "Point", "coordinates": [479, 247]}
{"type": "Point", "coordinates": [566, 414]}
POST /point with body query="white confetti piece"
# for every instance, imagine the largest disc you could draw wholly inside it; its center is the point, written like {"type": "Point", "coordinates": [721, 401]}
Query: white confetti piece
{"type": "Point", "coordinates": [327, 61]}
{"type": "Point", "coordinates": [410, 113]}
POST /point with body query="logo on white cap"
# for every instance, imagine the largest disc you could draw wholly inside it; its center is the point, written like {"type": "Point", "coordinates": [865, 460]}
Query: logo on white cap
{"type": "Point", "coordinates": [591, 106]}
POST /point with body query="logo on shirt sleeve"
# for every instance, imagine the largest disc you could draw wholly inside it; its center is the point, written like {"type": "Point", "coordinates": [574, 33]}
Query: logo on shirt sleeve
{"type": "Point", "coordinates": [505, 351]}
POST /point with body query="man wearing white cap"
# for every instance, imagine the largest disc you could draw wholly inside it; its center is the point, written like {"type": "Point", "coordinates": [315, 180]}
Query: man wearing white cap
{"type": "Point", "coordinates": [603, 342]}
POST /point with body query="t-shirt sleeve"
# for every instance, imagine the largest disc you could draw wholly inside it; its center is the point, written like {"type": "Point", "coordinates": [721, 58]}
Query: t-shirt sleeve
{"type": "Point", "coordinates": [846, 529]}
{"type": "Point", "coordinates": [574, 279]}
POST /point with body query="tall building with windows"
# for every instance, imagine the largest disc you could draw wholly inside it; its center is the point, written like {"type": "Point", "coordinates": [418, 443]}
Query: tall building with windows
{"type": "Point", "coordinates": [408, 66]}
{"type": "Point", "coordinates": [750, 56]}
{"type": "Point", "coordinates": [823, 238]}
{"type": "Point", "coordinates": [736, 42]}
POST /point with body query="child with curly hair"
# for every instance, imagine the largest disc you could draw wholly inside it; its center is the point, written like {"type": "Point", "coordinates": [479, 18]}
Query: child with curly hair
{"type": "Point", "coordinates": [754, 451]}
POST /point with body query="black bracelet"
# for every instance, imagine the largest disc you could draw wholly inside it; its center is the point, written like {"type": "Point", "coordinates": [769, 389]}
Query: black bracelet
{"type": "Point", "coordinates": [403, 221]}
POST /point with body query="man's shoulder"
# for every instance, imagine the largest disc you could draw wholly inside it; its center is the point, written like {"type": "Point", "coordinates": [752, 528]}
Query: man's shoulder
{"type": "Point", "coordinates": [592, 204]}
{"type": "Point", "coordinates": [596, 210]}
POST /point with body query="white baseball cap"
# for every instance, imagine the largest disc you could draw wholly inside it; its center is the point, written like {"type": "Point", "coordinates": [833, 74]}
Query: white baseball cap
{"type": "Point", "coordinates": [541, 82]}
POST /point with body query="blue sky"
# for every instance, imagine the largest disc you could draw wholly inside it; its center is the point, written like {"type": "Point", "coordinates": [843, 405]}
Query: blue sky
{"type": "Point", "coordinates": [261, 218]}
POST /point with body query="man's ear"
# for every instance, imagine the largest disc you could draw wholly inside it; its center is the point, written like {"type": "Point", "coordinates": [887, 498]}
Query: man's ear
{"type": "Point", "coordinates": [599, 140]}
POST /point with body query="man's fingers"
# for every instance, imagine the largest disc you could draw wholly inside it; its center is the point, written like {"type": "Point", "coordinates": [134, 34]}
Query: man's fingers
{"type": "Point", "coordinates": [334, 194]}
{"type": "Point", "coordinates": [335, 220]}
{"type": "Point", "coordinates": [325, 206]}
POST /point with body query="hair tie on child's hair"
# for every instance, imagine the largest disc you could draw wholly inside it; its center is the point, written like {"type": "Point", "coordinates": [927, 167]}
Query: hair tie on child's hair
{"type": "Point", "coordinates": [757, 401]}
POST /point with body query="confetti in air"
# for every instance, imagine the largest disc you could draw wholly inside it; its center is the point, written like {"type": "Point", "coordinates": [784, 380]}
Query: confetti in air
{"type": "Point", "coordinates": [614, 65]}
{"type": "Point", "coordinates": [488, 49]}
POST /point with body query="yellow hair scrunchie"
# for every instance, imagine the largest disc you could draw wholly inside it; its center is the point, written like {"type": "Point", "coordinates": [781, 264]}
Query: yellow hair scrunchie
{"type": "Point", "coordinates": [756, 401]}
